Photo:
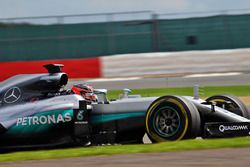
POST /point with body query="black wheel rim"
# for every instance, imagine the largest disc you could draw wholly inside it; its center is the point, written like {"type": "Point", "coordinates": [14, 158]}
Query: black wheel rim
{"type": "Point", "coordinates": [166, 121]}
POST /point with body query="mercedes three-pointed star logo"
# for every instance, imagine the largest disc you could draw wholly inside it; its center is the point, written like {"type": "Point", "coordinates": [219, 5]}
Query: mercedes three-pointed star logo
{"type": "Point", "coordinates": [12, 95]}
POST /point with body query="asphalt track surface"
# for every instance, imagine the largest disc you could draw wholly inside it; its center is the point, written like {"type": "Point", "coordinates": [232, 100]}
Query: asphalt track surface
{"type": "Point", "coordinates": [169, 81]}
{"type": "Point", "coordinates": [229, 157]}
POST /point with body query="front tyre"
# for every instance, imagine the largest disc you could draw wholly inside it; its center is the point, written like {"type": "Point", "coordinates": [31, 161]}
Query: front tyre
{"type": "Point", "coordinates": [230, 103]}
{"type": "Point", "coordinates": [171, 118]}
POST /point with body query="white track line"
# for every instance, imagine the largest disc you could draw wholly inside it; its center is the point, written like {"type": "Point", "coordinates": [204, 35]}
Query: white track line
{"type": "Point", "coordinates": [212, 75]}
{"type": "Point", "coordinates": [113, 79]}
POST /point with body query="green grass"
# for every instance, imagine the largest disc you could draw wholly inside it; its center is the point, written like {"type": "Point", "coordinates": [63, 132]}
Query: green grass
{"type": "Point", "coordinates": [188, 91]}
{"type": "Point", "coordinates": [128, 149]}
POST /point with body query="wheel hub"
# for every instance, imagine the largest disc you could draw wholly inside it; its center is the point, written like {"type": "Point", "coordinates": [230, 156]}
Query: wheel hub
{"type": "Point", "coordinates": [168, 122]}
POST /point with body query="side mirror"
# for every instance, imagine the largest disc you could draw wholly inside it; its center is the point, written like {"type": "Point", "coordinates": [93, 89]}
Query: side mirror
{"type": "Point", "coordinates": [100, 91]}
{"type": "Point", "coordinates": [213, 104]}
{"type": "Point", "coordinates": [101, 96]}
{"type": "Point", "coordinates": [125, 94]}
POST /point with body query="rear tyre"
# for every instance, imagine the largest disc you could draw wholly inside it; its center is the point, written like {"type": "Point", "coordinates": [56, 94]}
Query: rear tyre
{"type": "Point", "coordinates": [235, 105]}
{"type": "Point", "coordinates": [171, 118]}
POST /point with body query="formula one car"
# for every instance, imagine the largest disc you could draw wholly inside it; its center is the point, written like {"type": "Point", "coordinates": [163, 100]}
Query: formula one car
{"type": "Point", "coordinates": [35, 110]}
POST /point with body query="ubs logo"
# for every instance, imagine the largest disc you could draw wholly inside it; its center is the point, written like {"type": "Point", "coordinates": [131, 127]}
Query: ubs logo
{"type": "Point", "coordinates": [12, 95]}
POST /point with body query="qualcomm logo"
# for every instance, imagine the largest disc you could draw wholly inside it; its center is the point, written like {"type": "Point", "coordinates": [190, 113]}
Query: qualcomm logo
{"type": "Point", "coordinates": [12, 95]}
{"type": "Point", "coordinates": [223, 128]}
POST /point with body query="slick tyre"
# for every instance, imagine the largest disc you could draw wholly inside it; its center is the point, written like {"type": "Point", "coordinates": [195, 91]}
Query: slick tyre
{"type": "Point", "coordinates": [171, 118]}
{"type": "Point", "coordinates": [230, 103]}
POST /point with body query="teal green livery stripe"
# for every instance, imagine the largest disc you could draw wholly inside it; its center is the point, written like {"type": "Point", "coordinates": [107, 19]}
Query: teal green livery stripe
{"type": "Point", "coordinates": [111, 117]}
{"type": "Point", "coordinates": [38, 128]}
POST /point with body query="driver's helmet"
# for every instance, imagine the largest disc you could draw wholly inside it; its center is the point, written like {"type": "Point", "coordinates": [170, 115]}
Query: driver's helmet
{"type": "Point", "coordinates": [86, 91]}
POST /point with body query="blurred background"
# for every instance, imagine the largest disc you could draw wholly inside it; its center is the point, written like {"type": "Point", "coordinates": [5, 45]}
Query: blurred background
{"type": "Point", "coordinates": [85, 36]}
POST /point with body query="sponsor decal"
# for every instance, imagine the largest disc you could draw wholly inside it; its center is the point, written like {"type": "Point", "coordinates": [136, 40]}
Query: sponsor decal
{"type": "Point", "coordinates": [223, 128]}
{"type": "Point", "coordinates": [80, 116]}
{"type": "Point", "coordinates": [43, 120]}
{"type": "Point", "coordinates": [12, 95]}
